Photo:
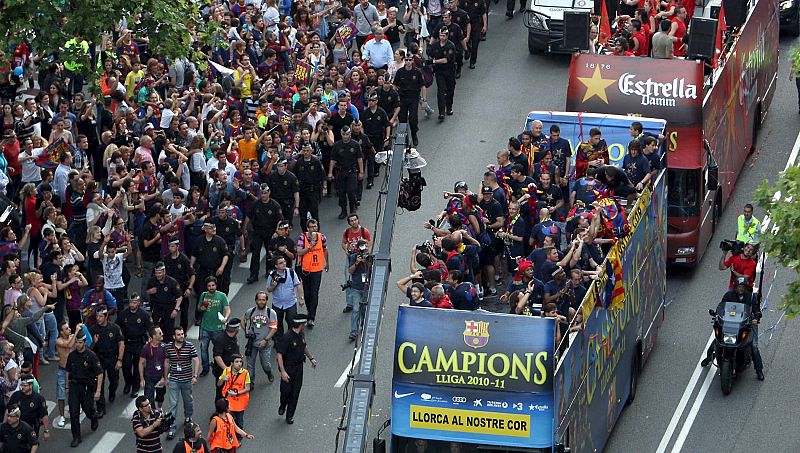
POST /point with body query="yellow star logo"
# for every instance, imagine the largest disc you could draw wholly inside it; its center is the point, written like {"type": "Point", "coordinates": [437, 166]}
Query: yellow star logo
{"type": "Point", "coordinates": [596, 85]}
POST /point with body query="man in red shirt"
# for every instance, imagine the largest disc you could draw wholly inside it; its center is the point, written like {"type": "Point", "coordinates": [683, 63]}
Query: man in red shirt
{"type": "Point", "coordinates": [640, 38]}
{"type": "Point", "coordinates": [350, 238]}
{"type": "Point", "coordinates": [677, 31]}
{"type": "Point", "coordinates": [741, 265]}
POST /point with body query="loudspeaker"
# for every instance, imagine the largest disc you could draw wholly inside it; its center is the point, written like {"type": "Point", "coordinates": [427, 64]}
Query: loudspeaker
{"type": "Point", "coordinates": [735, 12]}
{"type": "Point", "coordinates": [576, 30]}
{"type": "Point", "coordinates": [702, 38]}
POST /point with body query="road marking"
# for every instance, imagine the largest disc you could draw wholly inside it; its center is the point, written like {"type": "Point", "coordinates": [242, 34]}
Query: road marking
{"type": "Point", "coordinates": [194, 331]}
{"type": "Point", "coordinates": [343, 377]}
{"type": "Point", "coordinates": [51, 405]}
{"type": "Point", "coordinates": [690, 387]}
{"type": "Point", "coordinates": [687, 394]}
{"type": "Point", "coordinates": [695, 409]}
{"type": "Point", "coordinates": [108, 442]}
{"type": "Point", "coordinates": [129, 409]}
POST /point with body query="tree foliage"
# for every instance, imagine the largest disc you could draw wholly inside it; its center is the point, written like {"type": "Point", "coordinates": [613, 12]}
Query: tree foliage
{"type": "Point", "coordinates": [46, 25]}
{"type": "Point", "coordinates": [783, 241]}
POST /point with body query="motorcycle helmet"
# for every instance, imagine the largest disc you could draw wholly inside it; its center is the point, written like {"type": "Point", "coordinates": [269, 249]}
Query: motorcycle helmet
{"type": "Point", "coordinates": [460, 185]}
{"type": "Point", "coordinates": [740, 281]}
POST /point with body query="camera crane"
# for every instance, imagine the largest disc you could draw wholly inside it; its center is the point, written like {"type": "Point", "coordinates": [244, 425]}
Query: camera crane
{"type": "Point", "coordinates": [362, 378]}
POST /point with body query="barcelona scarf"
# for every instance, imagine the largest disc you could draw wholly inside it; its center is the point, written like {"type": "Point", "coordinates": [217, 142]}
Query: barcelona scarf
{"type": "Point", "coordinates": [614, 292]}
{"type": "Point", "coordinates": [614, 222]}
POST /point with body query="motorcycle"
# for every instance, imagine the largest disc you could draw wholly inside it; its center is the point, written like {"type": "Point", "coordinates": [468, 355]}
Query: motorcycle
{"type": "Point", "coordinates": [734, 343]}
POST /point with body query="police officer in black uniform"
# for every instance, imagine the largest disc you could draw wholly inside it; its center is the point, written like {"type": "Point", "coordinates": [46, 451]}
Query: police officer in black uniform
{"type": "Point", "coordinates": [285, 190]}
{"type": "Point", "coordinates": [348, 157]}
{"type": "Point", "coordinates": [225, 346]}
{"type": "Point", "coordinates": [229, 230]}
{"type": "Point", "coordinates": [84, 386]}
{"type": "Point", "coordinates": [478, 20]}
{"type": "Point", "coordinates": [292, 352]}
{"type": "Point", "coordinates": [109, 346]}
{"type": "Point", "coordinates": [377, 127]}
{"type": "Point", "coordinates": [311, 181]}
{"type": "Point", "coordinates": [388, 99]}
{"type": "Point", "coordinates": [456, 35]}
{"type": "Point", "coordinates": [210, 259]}
{"type": "Point", "coordinates": [166, 298]}
{"type": "Point", "coordinates": [264, 218]}
{"type": "Point", "coordinates": [442, 54]}
{"type": "Point", "coordinates": [367, 149]}
{"type": "Point", "coordinates": [408, 81]}
{"type": "Point", "coordinates": [32, 405]}
{"type": "Point", "coordinates": [459, 17]}
{"type": "Point", "coordinates": [181, 270]}
{"type": "Point", "coordinates": [16, 435]}
{"type": "Point", "coordinates": [134, 322]}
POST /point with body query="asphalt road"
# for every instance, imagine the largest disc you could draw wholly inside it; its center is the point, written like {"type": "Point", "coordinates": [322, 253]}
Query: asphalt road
{"type": "Point", "coordinates": [491, 104]}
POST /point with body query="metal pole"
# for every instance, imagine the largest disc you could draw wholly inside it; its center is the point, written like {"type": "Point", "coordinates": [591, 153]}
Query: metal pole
{"type": "Point", "coordinates": [355, 440]}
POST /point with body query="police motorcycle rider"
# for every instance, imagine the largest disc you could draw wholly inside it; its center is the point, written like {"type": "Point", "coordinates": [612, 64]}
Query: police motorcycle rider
{"type": "Point", "coordinates": [741, 293]}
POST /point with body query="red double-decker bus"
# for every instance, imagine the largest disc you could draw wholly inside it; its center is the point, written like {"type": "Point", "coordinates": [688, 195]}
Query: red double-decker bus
{"type": "Point", "coordinates": [713, 116]}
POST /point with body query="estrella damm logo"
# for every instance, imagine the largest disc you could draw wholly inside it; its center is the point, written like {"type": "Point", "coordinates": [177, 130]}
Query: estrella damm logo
{"type": "Point", "coordinates": [476, 334]}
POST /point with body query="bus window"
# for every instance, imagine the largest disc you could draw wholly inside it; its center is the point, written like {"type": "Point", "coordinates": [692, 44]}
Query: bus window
{"type": "Point", "coordinates": [684, 192]}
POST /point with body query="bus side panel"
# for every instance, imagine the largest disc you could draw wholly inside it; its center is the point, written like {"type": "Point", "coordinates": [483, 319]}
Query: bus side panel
{"type": "Point", "coordinates": [731, 107]}
{"type": "Point", "coordinates": [594, 377]}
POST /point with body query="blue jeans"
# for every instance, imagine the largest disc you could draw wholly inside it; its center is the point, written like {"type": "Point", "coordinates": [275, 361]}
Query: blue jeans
{"type": "Point", "coordinates": [51, 329]}
{"type": "Point", "coordinates": [174, 388]}
{"type": "Point", "coordinates": [356, 298]}
{"type": "Point", "coordinates": [205, 340]}
{"type": "Point", "coordinates": [263, 356]}
{"type": "Point", "coordinates": [61, 384]}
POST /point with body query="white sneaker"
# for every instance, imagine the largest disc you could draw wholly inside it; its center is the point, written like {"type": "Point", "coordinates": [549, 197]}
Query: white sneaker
{"type": "Point", "coordinates": [61, 422]}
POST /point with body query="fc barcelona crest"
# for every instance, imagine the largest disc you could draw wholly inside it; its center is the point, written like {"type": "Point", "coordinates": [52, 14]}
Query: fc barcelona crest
{"type": "Point", "coordinates": [476, 334]}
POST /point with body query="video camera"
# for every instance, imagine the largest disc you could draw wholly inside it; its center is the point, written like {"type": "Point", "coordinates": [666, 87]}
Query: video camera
{"type": "Point", "coordinates": [166, 422]}
{"type": "Point", "coordinates": [426, 247]}
{"type": "Point", "coordinates": [733, 246]}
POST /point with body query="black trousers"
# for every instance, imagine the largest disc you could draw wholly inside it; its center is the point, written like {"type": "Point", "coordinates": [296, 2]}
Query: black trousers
{"type": "Point", "coordinates": [510, 6]}
{"type": "Point", "coordinates": [287, 208]}
{"type": "Point", "coordinates": [309, 203]}
{"type": "Point", "coordinates": [347, 188]}
{"type": "Point", "coordinates": [409, 109]}
{"type": "Point", "coordinates": [162, 317]}
{"type": "Point", "coordinates": [311, 284]}
{"type": "Point", "coordinates": [445, 89]}
{"type": "Point", "coordinates": [111, 376]}
{"type": "Point", "coordinates": [130, 364]}
{"type": "Point", "coordinates": [288, 314]}
{"type": "Point", "coordinates": [258, 240]}
{"type": "Point", "coordinates": [80, 397]}
{"type": "Point", "coordinates": [474, 41]}
{"type": "Point", "coordinates": [290, 391]}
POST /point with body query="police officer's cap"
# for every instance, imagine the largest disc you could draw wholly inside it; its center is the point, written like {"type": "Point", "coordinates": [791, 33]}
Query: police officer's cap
{"type": "Point", "coordinates": [265, 187]}
{"type": "Point", "coordinates": [486, 189]}
{"type": "Point", "coordinates": [209, 225]}
{"type": "Point", "coordinates": [134, 296]}
{"type": "Point", "coordinates": [160, 266]}
{"type": "Point", "coordinates": [175, 242]}
{"type": "Point", "coordinates": [740, 281]}
{"type": "Point", "coordinates": [299, 319]}
{"type": "Point", "coordinates": [234, 324]}
{"type": "Point", "coordinates": [101, 310]}
{"type": "Point", "coordinates": [80, 335]}
{"type": "Point", "coordinates": [345, 129]}
{"type": "Point", "coordinates": [282, 161]}
{"type": "Point", "coordinates": [283, 224]}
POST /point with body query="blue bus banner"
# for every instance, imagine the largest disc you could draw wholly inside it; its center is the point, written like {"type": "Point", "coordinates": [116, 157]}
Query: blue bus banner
{"type": "Point", "coordinates": [473, 377]}
{"type": "Point", "coordinates": [575, 129]}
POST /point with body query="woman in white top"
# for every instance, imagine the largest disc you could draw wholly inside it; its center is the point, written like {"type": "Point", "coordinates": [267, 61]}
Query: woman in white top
{"type": "Point", "coordinates": [271, 15]}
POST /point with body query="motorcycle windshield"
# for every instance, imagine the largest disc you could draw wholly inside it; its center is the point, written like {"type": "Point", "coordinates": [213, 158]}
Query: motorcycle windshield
{"type": "Point", "coordinates": [733, 316]}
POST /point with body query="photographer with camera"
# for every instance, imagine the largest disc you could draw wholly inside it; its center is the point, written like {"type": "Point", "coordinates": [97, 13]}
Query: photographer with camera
{"type": "Point", "coordinates": [260, 325]}
{"type": "Point", "coordinates": [286, 289]}
{"type": "Point", "coordinates": [148, 425]}
{"type": "Point", "coordinates": [742, 262]}
{"type": "Point", "coordinates": [351, 238]}
{"type": "Point", "coordinates": [359, 269]}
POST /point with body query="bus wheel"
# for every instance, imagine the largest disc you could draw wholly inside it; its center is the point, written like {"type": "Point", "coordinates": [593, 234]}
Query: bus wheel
{"type": "Point", "coordinates": [635, 366]}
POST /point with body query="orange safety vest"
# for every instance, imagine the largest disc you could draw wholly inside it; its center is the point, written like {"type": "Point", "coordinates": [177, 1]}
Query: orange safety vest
{"type": "Point", "coordinates": [225, 435]}
{"type": "Point", "coordinates": [314, 259]}
{"type": "Point", "coordinates": [236, 403]}
{"type": "Point", "coordinates": [189, 448]}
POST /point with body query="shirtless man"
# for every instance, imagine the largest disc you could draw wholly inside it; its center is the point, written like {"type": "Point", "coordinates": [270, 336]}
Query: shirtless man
{"type": "Point", "coordinates": [65, 343]}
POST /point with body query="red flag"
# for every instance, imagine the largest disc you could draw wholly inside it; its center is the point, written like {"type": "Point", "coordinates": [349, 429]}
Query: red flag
{"type": "Point", "coordinates": [605, 26]}
{"type": "Point", "coordinates": [721, 27]}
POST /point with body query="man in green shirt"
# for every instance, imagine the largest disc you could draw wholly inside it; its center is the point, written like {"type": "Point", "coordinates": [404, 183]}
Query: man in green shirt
{"type": "Point", "coordinates": [216, 309]}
